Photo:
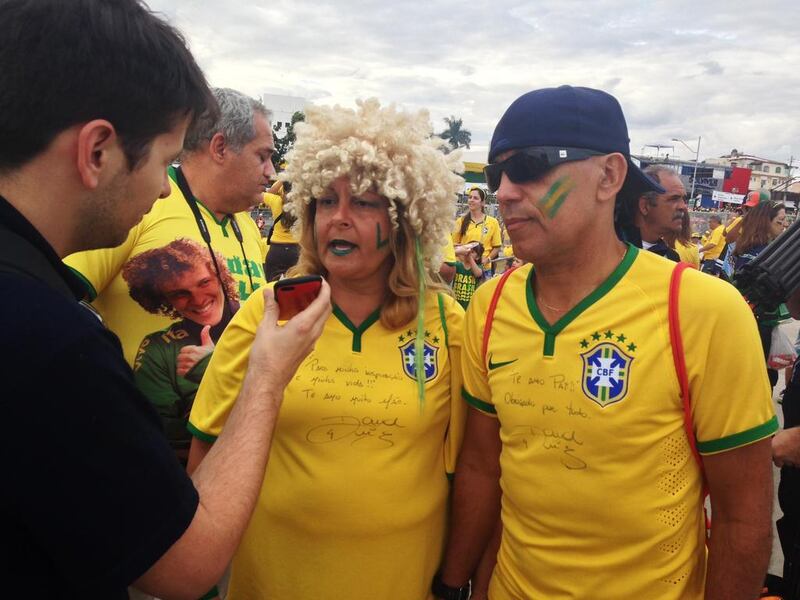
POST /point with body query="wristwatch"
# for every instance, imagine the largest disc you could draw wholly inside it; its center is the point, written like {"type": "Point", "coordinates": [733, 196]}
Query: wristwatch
{"type": "Point", "coordinates": [445, 592]}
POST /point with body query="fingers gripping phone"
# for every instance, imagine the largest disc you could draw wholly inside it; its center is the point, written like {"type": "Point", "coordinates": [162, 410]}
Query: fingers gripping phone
{"type": "Point", "coordinates": [293, 295]}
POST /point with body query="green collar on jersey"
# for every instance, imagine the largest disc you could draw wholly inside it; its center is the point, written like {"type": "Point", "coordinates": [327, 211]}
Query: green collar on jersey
{"type": "Point", "coordinates": [551, 331]}
{"type": "Point", "coordinates": [357, 331]}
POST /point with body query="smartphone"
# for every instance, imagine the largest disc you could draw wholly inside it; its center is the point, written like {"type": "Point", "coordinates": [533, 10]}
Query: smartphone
{"type": "Point", "coordinates": [293, 295]}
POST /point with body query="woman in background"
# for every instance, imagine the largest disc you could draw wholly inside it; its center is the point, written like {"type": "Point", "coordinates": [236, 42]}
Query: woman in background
{"type": "Point", "coordinates": [762, 224]}
{"type": "Point", "coordinates": [476, 226]}
{"type": "Point", "coordinates": [283, 249]}
{"type": "Point", "coordinates": [683, 245]}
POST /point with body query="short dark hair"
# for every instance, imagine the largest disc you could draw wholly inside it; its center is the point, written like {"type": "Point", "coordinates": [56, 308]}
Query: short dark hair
{"type": "Point", "coordinates": [654, 172]}
{"type": "Point", "coordinates": [66, 62]}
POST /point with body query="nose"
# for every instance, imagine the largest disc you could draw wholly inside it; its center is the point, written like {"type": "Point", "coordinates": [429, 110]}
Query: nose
{"type": "Point", "coordinates": [195, 298]}
{"type": "Point", "coordinates": [342, 214]}
{"type": "Point", "coordinates": [165, 189]}
{"type": "Point", "coordinates": [506, 191]}
{"type": "Point", "coordinates": [269, 169]}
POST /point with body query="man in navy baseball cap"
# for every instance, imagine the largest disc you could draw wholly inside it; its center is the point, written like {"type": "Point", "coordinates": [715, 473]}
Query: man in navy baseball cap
{"type": "Point", "coordinates": [564, 124]}
{"type": "Point", "coordinates": [575, 406]}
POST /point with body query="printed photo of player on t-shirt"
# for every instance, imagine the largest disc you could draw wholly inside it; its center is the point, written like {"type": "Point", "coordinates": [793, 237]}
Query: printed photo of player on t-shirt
{"type": "Point", "coordinates": [179, 281]}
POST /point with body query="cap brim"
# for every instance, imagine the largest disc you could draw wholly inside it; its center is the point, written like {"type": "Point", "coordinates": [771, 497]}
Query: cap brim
{"type": "Point", "coordinates": [637, 183]}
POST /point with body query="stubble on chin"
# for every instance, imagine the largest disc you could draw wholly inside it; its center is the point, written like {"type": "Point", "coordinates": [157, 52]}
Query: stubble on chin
{"type": "Point", "coordinates": [106, 216]}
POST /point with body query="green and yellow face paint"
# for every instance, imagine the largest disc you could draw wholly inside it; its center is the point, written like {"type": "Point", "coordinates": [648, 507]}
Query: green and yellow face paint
{"type": "Point", "coordinates": [379, 242]}
{"type": "Point", "coordinates": [554, 199]}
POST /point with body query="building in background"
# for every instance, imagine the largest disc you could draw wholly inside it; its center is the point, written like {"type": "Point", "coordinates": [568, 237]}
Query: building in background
{"type": "Point", "coordinates": [282, 107]}
{"type": "Point", "coordinates": [766, 174]}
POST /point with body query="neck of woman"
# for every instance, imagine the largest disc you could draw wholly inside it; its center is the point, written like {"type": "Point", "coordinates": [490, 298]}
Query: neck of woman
{"type": "Point", "coordinates": [358, 299]}
{"type": "Point", "coordinates": [476, 215]}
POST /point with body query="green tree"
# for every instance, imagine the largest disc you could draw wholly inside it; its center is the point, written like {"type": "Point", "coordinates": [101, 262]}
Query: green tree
{"type": "Point", "coordinates": [455, 134]}
{"type": "Point", "coordinates": [284, 143]}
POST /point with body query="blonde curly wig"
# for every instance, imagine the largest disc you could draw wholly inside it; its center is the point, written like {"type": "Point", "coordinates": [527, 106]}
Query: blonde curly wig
{"type": "Point", "coordinates": [390, 152]}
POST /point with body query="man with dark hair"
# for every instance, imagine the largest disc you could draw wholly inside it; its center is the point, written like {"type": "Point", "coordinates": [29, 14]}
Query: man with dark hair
{"type": "Point", "coordinates": [658, 217]}
{"type": "Point", "coordinates": [96, 98]}
{"type": "Point", "coordinates": [225, 166]}
{"type": "Point", "coordinates": [575, 403]}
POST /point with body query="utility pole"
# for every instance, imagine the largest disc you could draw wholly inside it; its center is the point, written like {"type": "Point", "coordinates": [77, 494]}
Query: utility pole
{"type": "Point", "coordinates": [696, 160]}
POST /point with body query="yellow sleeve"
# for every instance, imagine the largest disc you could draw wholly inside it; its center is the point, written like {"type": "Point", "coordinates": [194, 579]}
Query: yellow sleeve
{"type": "Point", "coordinates": [730, 394]}
{"type": "Point", "coordinates": [97, 268]}
{"type": "Point", "coordinates": [457, 231]}
{"type": "Point", "coordinates": [716, 235]}
{"type": "Point", "coordinates": [270, 202]}
{"type": "Point", "coordinates": [495, 240]}
{"type": "Point", "coordinates": [453, 317]}
{"type": "Point", "coordinates": [225, 373]}
{"type": "Point", "coordinates": [449, 252]}
{"type": "Point", "coordinates": [475, 388]}
{"type": "Point", "coordinates": [732, 224]}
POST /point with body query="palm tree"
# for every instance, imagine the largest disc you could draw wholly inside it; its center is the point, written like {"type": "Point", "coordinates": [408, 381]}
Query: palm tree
{"type": "Point", "coordinates": [455, 135]}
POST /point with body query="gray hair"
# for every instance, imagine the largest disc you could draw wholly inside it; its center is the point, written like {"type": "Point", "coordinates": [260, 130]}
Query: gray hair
{"type": "Point", "coordinates": [236, 121]}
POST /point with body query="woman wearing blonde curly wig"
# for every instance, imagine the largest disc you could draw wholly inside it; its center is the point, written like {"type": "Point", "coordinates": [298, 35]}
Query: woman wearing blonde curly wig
{"type": "Point", "coordinates": [354, 497]}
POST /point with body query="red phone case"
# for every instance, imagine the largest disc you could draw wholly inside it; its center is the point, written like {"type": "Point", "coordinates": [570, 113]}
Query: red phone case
{"type": "Point", "coordinates": [295, 294]}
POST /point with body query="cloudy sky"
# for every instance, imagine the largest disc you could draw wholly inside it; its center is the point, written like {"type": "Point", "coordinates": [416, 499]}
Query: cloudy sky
{"type": "Point", "coordinates": [726, 71]}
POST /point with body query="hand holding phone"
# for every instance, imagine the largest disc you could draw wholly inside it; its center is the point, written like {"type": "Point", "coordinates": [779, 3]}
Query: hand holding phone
{"type": "Point", "coordinates": [293, 295]}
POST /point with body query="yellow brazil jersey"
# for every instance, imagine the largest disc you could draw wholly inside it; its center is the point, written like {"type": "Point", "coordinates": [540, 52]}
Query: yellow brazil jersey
{"type": "Point", "coordinates": [487, 232]}
{"type": "Point", "coordinates": [354, 498]}
{"type": "Point", "coordinates": [718, 239]}
{"type": "Point", "coordinates": [281, 234]}
{"type": "Point", "coordinates": [508, 248]}
{"type": "Point", "coordinates": [449, 253]}
{"type": "Point", "coordinates": [688, 253]}
{"type": "Point", "coordinates": [733, 224]}
{"type": "Point", "coordinates": [169, 219]}
{"type": "Point", "coordinates": [601, 493]}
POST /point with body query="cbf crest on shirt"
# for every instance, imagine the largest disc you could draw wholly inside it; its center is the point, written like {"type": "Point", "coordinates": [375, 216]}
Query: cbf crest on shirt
{"type": "Point", "coordinates": [606, 369]}
{"type": "Point", "coordinates": [430, 354]}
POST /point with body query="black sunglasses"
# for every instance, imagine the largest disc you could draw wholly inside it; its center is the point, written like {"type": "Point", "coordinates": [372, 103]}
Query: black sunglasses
{"type": "Point", "coordinates": [530, 164]}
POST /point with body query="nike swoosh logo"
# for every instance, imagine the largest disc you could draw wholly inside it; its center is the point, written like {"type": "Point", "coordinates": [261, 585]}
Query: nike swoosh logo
{"type": "Point", "coordinates": [494, 365]}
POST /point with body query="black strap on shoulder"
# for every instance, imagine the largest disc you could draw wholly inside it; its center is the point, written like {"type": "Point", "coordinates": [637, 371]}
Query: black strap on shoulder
{"type": "Point", "coordinates": [18, 255]}
{"type": "Point", "coordinates": [272, 229]}
{"type": "Point", "coordinates": [183, 185]}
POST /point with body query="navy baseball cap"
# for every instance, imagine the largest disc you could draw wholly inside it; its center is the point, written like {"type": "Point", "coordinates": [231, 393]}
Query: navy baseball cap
{"type": "Point", "coordinates": [571, 117]}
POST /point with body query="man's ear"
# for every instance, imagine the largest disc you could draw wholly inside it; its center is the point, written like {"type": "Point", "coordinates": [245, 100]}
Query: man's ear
{"type": "Point", "coordinates": [217, 148]}
{"type": "Point", "coordinates": [644, 206]}
{"type": "Point", "coordinates": [614, 170]}
{"type": "Point", "coordinates": [96, 141]}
